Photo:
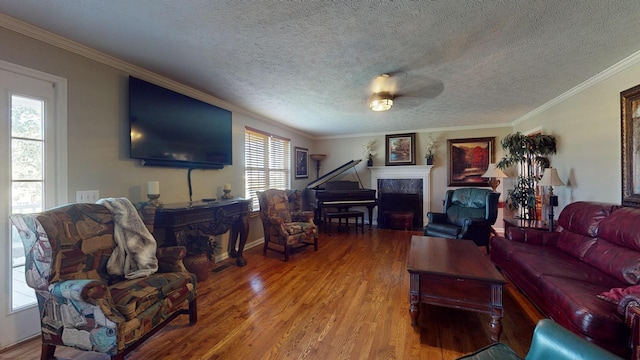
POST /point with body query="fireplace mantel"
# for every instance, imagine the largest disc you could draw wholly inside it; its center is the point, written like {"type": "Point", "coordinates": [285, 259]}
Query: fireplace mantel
{"type": "Point", "coordinates": [406, 172]}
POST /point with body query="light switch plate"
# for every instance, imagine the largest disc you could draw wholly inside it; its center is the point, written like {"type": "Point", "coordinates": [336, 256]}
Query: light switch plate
{"type": "Point", "coordinates": [87, 196]}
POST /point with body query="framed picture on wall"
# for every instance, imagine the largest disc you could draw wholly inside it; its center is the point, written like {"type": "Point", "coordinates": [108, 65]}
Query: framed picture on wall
{"type": "Point", "coordinates": [630, 133]}
{"type": "Point", "coordinates": [301, 162]}
{"type": "Point", "coordinates": [400, 149]}
{"type": "Point", "coordinates": [468, 160]}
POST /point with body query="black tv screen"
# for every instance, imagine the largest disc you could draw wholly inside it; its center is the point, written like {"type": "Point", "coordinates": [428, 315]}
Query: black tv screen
{"type": "Point", "coordinates": [174, 130]}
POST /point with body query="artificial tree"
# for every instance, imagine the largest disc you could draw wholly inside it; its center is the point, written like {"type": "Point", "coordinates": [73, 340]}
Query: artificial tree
{"type": "Point", "coordinates": [529, 152]}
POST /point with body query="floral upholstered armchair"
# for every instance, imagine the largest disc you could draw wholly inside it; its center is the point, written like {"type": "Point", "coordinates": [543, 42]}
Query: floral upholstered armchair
{"type": "Point", "coordinates": [285, 224]}
{"type": "Point", "coordinates": [82, 304]}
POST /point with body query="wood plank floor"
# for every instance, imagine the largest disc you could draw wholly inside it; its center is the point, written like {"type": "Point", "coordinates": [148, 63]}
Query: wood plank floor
{"type": "Point", "coordinates": [349, 300]}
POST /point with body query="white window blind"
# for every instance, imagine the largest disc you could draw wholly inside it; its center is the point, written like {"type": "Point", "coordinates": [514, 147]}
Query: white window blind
{"type": "Point", "coordinates": [267, 162]}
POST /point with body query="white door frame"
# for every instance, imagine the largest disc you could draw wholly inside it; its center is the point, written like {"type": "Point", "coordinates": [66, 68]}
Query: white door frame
{"type": "Point", "coordinates": [25, 323]}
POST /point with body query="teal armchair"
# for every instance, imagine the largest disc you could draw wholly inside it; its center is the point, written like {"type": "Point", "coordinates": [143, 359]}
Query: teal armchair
{"type": "Point", "coordinates": [550, 341]}
{"type": "Point", "coordinates": [469, 213]}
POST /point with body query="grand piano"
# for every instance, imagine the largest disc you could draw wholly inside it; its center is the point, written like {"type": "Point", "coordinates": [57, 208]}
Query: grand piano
{"type": "Point", "coordinates": [324, 193]}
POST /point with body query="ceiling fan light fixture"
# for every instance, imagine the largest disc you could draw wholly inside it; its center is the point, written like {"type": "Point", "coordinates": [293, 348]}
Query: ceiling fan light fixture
{"type": "Point", "coordinates": [381, 101]}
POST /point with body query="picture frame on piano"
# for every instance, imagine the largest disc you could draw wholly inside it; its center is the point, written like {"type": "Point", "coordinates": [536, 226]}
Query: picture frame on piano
{"type": "Point", "coordinates": [400, 149]}
{"type": "Point", "coordinates": [301, 158]}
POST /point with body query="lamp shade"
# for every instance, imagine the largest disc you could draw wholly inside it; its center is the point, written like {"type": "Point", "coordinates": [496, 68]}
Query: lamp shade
{"type": "Point", "coordinates": [550, 178]}
{"type": "Point", "coordinates": [381, 101]}
{"type": "Point", "coordinates": [494, 172]}
{"type": "Point", "coordinates": [317, 157]}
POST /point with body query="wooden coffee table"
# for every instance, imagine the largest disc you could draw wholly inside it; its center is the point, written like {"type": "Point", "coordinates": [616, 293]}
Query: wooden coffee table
{"type": "Point", "coordinates": [455, 274]}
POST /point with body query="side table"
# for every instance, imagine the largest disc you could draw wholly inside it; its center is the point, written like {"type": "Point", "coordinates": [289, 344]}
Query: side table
{"type": "Point", "coordinates": [528, 224]}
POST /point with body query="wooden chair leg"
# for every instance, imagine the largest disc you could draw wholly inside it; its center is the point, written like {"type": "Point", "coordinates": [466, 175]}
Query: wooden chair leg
{"type": "Point", "coordinates": [286, 253]}
{"type": "Point", "coordinates": [47, 352]}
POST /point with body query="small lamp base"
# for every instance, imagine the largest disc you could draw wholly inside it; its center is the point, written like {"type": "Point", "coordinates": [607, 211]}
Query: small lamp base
{"type": "Point", "coordinates": [227, 194]}
{"type": "Point", "coordinates": [153, 200]}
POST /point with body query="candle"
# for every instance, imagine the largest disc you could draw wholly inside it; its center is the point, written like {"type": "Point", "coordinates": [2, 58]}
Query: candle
{"type": "Point", "coordinates": [153, 187]}
{"type": "Point", "coordinates": [226, 187]}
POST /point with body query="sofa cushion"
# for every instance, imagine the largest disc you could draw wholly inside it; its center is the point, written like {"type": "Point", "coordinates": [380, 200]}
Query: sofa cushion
{"type": "Point", "coordinates": [617, 261]}
{"type": "Point", "coordinates": [575, 302]}
{"type": "Point", "coordinates": [621, 228]}
{"type": "Point", "coordinates": [534, 265]}
{"type": "Point", "coordinates": [574, 244]}
{"type": "Point", "coordinates": [582, 217]}
{"type": "Point", "coordinates": [133, 297]}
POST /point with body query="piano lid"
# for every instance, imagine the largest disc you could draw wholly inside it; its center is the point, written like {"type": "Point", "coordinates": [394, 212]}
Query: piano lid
{"type": "Point", "coordinates": [332, 174]}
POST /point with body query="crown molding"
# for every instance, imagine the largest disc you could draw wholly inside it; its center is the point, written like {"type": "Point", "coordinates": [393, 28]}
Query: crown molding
{"type": "Point", "coordinates": [626, 63]}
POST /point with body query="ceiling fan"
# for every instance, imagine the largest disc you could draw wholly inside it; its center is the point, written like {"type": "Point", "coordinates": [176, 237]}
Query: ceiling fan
{"type": "Point", "coordinates": [385, 89]}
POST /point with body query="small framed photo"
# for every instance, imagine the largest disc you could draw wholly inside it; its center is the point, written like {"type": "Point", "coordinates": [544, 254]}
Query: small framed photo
{"type": "Point", "coordinates": [400, 149]}
{"type": "Point", "coordinates": [469, 159]}
{"type": "Point", "coordinates": [301, 158]}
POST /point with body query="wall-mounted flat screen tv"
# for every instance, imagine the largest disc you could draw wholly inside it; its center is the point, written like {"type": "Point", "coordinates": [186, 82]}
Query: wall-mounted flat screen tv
{"type": "Point", "coordinates": [175, 130]}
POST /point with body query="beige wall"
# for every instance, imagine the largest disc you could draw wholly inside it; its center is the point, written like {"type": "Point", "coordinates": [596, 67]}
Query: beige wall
{"type": "Point", "coordinates": [341, 150]}
{"type": "Point", "coordinates": [587, 127]}
{"type": "Point", "coordinates": [98, 131]}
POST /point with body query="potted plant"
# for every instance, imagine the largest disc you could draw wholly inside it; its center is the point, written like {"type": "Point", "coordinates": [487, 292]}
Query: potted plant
{"type": "Point", "coordinates": [529, 152]}
{"type": "Point", "coordinates": [369, 148]}
{"type": "Point", "coordinates": [201, 249]}
{"type": "Point", "coordinates": [431, 149]}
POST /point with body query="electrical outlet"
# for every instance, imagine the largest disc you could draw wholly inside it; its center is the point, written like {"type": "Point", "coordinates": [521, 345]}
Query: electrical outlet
{"type": "Point", "coordinates": [87, 196]}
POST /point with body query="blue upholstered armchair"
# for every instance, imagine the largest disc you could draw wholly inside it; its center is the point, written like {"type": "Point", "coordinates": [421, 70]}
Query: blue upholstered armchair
{"type": "Point", "coordinates": [468, 214]}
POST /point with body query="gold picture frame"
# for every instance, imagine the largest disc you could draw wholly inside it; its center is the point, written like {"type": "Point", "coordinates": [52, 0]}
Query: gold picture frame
{"type": "Point", "coordinates": [630, 133]}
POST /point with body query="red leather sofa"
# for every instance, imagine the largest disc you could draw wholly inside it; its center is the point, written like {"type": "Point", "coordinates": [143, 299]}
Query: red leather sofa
{"type": "Point", "coordinates": [596, 248]}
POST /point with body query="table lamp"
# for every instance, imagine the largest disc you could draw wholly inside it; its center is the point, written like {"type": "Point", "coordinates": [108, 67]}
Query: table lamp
{"type": "Point", "coordinates": [550, 178]}
{"type": "Point", "coordinates": [494, 174]}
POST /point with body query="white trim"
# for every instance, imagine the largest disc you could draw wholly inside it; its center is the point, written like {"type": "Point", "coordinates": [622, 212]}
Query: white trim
{"type": "Point", "coordinates": [631, 60]}
{"type": "Point", "coordinates": [60, 93]}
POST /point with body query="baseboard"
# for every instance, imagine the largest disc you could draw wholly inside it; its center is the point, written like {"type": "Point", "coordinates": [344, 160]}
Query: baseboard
{"type": "Point", "coordinates": [247, 246]}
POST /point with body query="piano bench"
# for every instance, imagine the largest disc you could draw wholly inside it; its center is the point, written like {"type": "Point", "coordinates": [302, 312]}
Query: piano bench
{"type": "Point", "coordinates": [328, 216]}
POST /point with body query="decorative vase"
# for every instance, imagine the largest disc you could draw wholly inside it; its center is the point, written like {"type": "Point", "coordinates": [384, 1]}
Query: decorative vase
{"type": "Point", "coordinates": [198, 265]}
{"type": "Point", "coordinates": [370, 162]}
{"type": "Point", "coordinates": [429, 160]}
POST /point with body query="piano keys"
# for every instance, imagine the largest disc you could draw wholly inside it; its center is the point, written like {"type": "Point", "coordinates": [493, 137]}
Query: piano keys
{"type": "Point", "coordinates": [323, 193]}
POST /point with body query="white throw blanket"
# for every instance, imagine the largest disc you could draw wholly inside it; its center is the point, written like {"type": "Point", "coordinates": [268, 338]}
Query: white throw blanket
{"type": "Point", "coordinates": [135, 253]}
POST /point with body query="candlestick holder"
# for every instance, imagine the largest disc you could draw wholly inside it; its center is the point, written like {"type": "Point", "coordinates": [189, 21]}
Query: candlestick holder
{"type": "Point", "coordinates": [153, 200]}
{"type": "Point", "coordinates": [227, 194]}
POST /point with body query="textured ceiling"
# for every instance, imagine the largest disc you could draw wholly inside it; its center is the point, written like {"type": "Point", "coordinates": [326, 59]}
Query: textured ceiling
{"type": "Point", "coordinates": [310, 65]}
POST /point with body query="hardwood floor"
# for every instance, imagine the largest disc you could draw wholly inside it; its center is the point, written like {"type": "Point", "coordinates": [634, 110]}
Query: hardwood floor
{"type": "Point", "coordinates": [349, 300]}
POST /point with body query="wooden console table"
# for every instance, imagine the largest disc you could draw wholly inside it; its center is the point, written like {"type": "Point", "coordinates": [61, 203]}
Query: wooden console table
{"type": "Point", "coordinates": [175, 222]}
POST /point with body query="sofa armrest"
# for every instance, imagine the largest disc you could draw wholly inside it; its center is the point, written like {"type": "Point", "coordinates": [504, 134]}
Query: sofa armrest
{"type": "Point", "coordinates": [629, 309]}
{"type": "Point", "coordinates": [437, 218]}
{"type": "Point", "coordinates": [532, 236]}
{"type": "Point", "coordinates": [170, 259]}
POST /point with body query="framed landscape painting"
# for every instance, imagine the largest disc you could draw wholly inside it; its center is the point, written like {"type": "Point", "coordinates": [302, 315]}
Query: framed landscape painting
{"type": "Point", "coordinates": [468, 160]}
{"type": "Point", "coordinates": [400, 149]}
{"type": "Point", "coordinates": [630, 133]}
{"type": "Point", "coordinates": [302, 165]}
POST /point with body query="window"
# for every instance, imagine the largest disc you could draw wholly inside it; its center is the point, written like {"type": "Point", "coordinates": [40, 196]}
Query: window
{"type": "Point", "coordinates": [267, 161]}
